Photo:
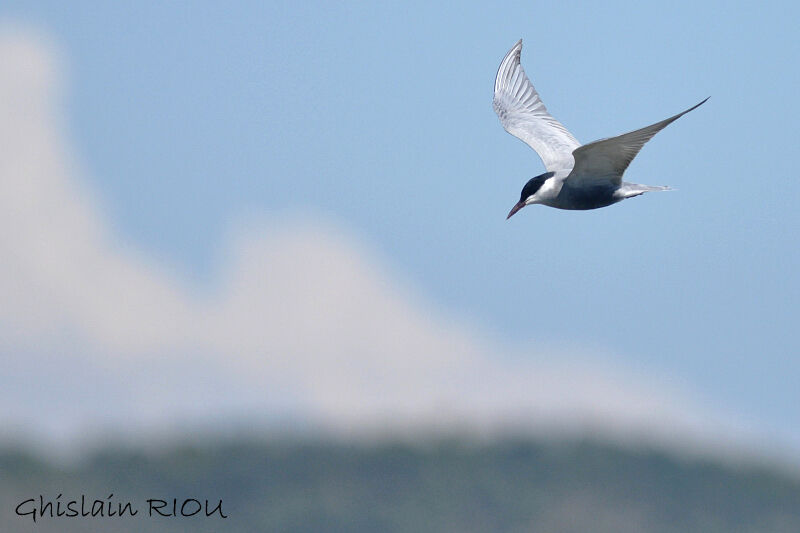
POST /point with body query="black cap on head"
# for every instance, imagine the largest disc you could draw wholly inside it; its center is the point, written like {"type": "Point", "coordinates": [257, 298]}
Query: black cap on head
{"type": "Point", "coordinates": [533, 185]}
{"type": "Point", "coordinates": [530, 188]}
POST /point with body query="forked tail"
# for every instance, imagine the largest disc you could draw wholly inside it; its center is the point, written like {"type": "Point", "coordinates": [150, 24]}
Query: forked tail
{"type": "Point", "coordinates": [629, 190]}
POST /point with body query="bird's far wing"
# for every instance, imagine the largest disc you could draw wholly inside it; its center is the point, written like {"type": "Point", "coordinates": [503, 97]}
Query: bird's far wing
{"type": "Point", "coordinates": [604, 161]}
{"type": "Point", "coordinates": [524, 116]}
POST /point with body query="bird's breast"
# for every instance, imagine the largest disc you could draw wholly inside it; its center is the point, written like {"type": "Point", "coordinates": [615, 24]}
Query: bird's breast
{"type": "Point", "coordinates": [584, 198]}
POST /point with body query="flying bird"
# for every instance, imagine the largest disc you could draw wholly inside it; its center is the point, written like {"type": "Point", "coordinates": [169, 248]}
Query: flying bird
{"type": "Point", "coordinates": [578, 176]}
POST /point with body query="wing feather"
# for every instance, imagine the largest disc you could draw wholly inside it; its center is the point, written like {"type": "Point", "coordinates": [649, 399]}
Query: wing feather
{"type": "Point", "coordinates": [523, 114]}
{"type": "Point", "coordinates": [604, 161]}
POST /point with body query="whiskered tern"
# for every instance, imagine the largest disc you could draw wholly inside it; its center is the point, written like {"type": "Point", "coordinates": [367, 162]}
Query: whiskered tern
{"type": "Point", "coordinates": [578, 176]}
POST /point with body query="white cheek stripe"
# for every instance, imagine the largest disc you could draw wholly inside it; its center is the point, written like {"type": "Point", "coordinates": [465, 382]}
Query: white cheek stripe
{"type": "Point", "coordinates": [548, 190]}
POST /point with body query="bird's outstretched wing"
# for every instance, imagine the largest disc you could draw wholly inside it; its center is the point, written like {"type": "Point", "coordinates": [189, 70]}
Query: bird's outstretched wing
{"type": "Point", "coordinates": [603, 162]}
{"type": "Point", "coordinates": [524, 116]}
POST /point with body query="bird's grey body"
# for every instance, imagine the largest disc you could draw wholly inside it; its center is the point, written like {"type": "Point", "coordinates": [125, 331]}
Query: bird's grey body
{"type": "Point", "coordinates": [578, 177]}
{"type": "Point", "coordinates": [563, 195]}
{"type": "Point", "coordinates": [583, 198]}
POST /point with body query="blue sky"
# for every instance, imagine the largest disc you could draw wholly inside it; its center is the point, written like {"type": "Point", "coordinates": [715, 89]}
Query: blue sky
{"type": "Point", "coordinates": [377, 119]}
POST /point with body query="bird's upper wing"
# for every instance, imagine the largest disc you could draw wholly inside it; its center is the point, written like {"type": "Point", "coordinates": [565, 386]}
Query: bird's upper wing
{"type": "Point", "coordinates": [524, 116]}
{"type": "Point", "coordinates": [604, 161]}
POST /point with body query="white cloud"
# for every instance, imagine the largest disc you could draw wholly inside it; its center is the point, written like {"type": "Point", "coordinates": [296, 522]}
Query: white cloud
{"type": "Point", "coordinates": [304, 323]}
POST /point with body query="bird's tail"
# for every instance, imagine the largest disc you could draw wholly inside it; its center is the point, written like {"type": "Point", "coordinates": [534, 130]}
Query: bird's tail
{"type": "Point", "coordinates": [629, 190]}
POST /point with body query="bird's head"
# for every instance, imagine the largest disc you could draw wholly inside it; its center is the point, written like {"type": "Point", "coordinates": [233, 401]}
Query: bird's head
{"type": "Point", "coordinates": [528, 194]}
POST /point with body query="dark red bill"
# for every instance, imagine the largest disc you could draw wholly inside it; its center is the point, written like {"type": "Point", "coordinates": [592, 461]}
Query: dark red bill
{"type": "Point", "coordinates": [514, 209]}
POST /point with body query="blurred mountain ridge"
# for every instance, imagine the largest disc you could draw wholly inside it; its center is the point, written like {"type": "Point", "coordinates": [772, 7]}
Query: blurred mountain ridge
{"type": "Point", "coordinates": [447, 484]}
